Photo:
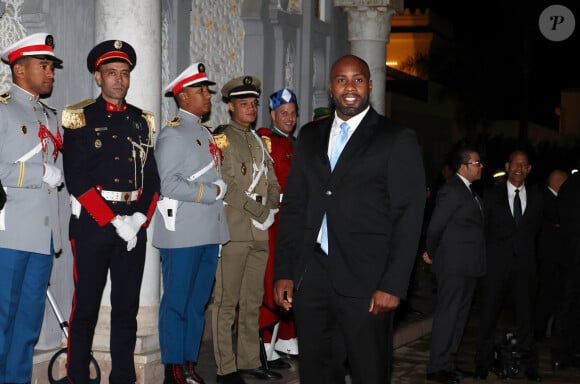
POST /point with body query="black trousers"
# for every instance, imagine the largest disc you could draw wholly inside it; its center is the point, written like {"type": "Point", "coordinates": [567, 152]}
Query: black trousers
{"type": "Point", "coordinates": [566, 333]}
{"type": "Point", "coordinates": [92, 262]}
{"type": "Point", "coordinates": [493, 290]}
{"type": "Point", "coordinates": [338, 333]}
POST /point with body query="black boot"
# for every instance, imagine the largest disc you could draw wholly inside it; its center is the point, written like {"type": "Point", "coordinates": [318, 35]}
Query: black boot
{"type": "Point", "coordinates": [190, 375]}
{"type": "Point", "coordinates": [174, 374]}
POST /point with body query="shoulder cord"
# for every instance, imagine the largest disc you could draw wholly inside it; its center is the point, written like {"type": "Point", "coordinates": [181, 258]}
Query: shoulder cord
{"type": "Point", "coordinates": [143, 152]}
{"type": "Point", "coordinates": [257, 172]}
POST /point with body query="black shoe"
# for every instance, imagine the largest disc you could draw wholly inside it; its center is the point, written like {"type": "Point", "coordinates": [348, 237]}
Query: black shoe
{"type": "Point", "coordinates": [190, 375]}
{"type": "Point", "coordinates": [230, 378]}
{"type": "Point", "coordinates": [461, 374]}
{"type": "Point", "coordinates": [174, 374]}
{"type": "Point", "coordinates": [443, 377]}
{"type": "Point", "coordinates": [480, 373]}
{"type": "Point", "coordinates": [260, 374]}
{"type": "Point", "coordinates": [278, 364]}
{"type": "Point", "coordinates": [533, 375]}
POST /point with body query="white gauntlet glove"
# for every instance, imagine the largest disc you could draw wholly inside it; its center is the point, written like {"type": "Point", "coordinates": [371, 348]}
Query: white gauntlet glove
{"type": "Point", "coordinates": [128, 227]}
{"type": "Point", "coordinates": [135, 222]}
{"type": "Point", "coordinates": [131, 243]}
{"type": "Point", "coordinates": [52, 175]}
{"type": "Point", "coordinates": [268, 222]}
{"type": "Point", "coordinates": [223, 188]}
{"type": "Point", "coordinates": [122, 227]}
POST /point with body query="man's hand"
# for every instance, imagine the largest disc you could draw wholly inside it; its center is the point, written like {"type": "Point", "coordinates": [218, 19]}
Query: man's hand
{"type": "Point", "coordinates": [268, 222]}
{"type": "Point", "coordinates": [52, 175]}
{"type": "Point", "coordinates": [283, 292]}
{"type": "Point", "coordinates": [222, 188]}
{"type": "Point", "coordinates": [128, 226]}
{"type": "Point", "coordinates": [131, 244]}
{"type": "Point", "coordinates": [383, 302]}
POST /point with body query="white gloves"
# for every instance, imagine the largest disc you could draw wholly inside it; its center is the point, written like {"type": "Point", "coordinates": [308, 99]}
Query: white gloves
{"type": "Point", "coordinates": [131, 243]}
{"type": "Point", "coordinates": [223, 188]}
{"type": "Point", "coordinates": [128, 227]}
{"type": "Point", "coordinates": [268, 222]}
{"type": "Point", "coordinates": [52, 175]}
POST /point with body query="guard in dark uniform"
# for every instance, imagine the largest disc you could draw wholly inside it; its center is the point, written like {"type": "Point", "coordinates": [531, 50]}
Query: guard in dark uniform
{"type": "Point", "coordinates": [111, 173]}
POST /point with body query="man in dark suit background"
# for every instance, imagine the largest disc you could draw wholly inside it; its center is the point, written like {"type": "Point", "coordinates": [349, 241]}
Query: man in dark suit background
{"type": "Point", "coordinates": [348, 234]}
{"type": "Point", "coordinates": [566, 333]}
{"type": "Point", "coordinates": [511, 230]}
{"type": "Point", "coordinates": [456, 247]}
{"type": "Point", "coordinates": [552, 265]}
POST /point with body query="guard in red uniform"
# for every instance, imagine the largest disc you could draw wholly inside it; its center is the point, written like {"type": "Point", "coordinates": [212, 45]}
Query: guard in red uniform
{"type": "Point", "coordinates": [277, 329]}
{"type": "Point", "coordinates": [112, 176]}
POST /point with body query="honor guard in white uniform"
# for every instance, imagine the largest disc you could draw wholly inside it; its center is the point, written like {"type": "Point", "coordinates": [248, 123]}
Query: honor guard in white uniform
{"type": "Point", "coordinates": [30, 170]}
{"type": "Point", "coordinates": [190, 225]}
{"type": "Point", "coordinates": [110, 171]}
{"type": "Point", "coordinates": [251, 204]}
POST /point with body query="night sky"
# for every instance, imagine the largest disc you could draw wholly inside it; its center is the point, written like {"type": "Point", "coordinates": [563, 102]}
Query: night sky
{"type": "Point", "coordinates": [504, 60]}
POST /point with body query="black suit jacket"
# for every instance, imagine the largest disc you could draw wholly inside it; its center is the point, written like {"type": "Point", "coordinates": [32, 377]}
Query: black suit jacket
{"type": "Point", "coordinates": [550, 239]}
{"type": "Point", "coordinates": [511, 247]}
{"type": "Point", "coordinates": [569, 211]}
{"type": "Point", "coordinates": [2, 196]}
{"type": "Point", "coordinates": [455, 237]}
{"type": "Point", "coordinates": [374, 203]}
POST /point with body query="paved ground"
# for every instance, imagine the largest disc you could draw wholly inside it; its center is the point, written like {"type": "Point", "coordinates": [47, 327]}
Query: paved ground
{"type": "Point", "coordinates": [411, 353]}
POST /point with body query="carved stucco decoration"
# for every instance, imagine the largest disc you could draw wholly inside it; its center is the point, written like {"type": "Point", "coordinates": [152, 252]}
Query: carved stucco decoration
{"type": "Point", "coordinates": [11, 30]}
{"type": "Point", "coordinates": [217, 40]}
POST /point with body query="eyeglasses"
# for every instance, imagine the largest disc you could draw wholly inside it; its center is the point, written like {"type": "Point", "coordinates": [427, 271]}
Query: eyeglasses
{"type": "Point", "coordinates": [477, 163]}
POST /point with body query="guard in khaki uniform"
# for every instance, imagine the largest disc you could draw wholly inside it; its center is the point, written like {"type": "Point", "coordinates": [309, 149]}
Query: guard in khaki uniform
{"type": "Point", "coordinates": [110, 171]}
{"type": "Point", "coordinates": [30, 170]}
{"type": "Point", "coordinates": [190, 225]}
{"type": "Point", "coordinates": [251, 204]}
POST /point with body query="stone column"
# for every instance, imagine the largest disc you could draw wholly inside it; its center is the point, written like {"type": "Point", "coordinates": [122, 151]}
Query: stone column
{"type": "Point", "coordinates": [369, 26]}
{"type": "Point", "coordinates": [137, 22]}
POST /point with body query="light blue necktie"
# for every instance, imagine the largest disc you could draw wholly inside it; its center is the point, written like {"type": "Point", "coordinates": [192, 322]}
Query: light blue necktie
{"type": "Point", "coordinates": [334, 155]}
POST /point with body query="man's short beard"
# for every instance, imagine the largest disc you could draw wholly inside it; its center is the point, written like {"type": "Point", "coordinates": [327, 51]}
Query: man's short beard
{"type": "Point", "coordinates": [351, 111]}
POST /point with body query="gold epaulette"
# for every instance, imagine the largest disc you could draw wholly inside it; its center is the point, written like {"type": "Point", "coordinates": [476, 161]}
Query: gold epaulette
{"type": "Point", "coordinates": [150, 119]}
{"type": "Point", "coordinates": [73, 116]}
{"type": "Point", "coordinates": [175, 122]}
{"type": "Point", "coordinates": [268, 143]}
{"type": "Point", "coordinates": [221, 140]}
{"type": "Point", "coordinates": [4, 97]}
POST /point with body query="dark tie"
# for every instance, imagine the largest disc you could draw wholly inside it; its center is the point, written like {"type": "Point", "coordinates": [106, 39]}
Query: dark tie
{"type": "Point", "coordinates": [337, 148]}
{"type": "Point", "coordinates": [477, 200]}
{"type": "Point", "coordinates": [517, 207]}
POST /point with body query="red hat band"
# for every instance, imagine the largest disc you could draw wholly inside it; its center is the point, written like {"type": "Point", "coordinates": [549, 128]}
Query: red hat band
{"type": "Point", "coordinates": [188, 80]}
{"type": "Point", "coordinates": [113, 55]}
{"type": "Point", "coordinates": [29, 51]}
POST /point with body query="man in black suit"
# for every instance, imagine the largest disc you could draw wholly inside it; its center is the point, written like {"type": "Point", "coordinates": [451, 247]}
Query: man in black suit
{"type": "Point", "coordinates": [348, 233]}
{"type": "Point", "coordinates": [566, 333]}
{"type": "Point", "coordinates": [552, 264]}
{"type": "Point", "coordinates": [456, 247]}
{"type": "Point", "coordinates": [513, 214]}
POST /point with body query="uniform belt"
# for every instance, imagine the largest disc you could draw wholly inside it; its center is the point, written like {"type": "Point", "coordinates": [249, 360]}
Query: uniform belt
{"type": "Point", "coordinates": [120, 196]}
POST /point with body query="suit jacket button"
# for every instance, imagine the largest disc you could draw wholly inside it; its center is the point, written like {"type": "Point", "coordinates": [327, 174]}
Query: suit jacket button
{"type": "Point", "coordinates": [328, 193]}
